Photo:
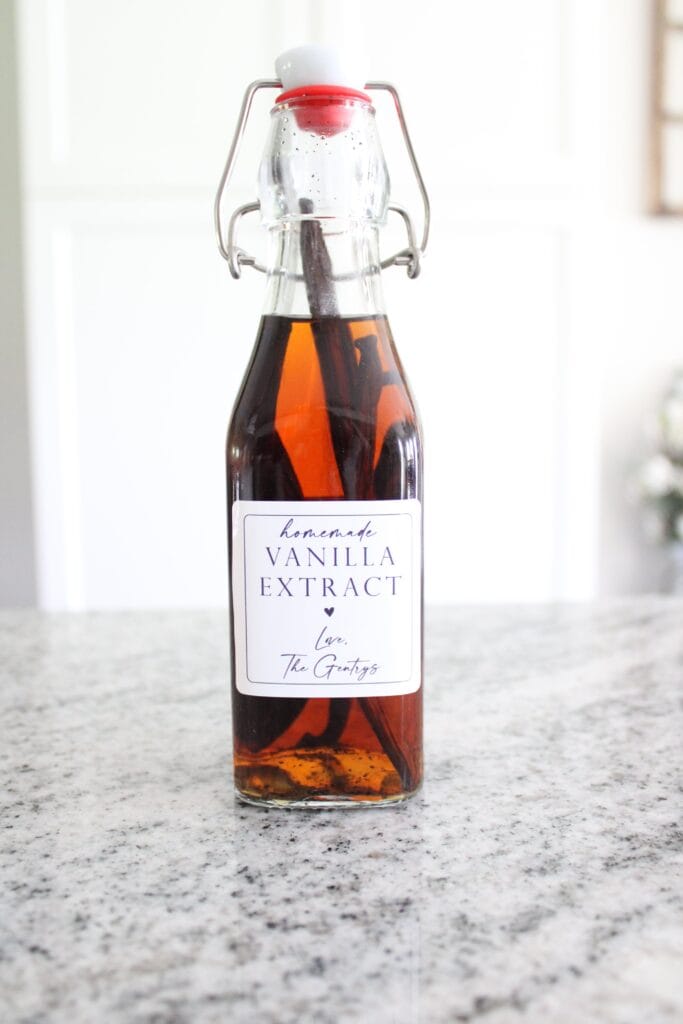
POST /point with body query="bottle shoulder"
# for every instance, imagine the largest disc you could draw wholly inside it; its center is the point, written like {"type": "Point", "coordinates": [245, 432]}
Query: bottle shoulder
{"type": "Point", "coordinates": [327, 400]}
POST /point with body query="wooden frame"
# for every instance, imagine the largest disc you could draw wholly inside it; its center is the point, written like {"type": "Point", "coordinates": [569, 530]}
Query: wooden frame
{"type": "Point", "coordinates": [663, 118]}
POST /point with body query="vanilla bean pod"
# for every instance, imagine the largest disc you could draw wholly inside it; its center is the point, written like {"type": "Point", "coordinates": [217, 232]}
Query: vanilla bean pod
{"type": "Point", "coordinates": [335, 350]}
{"type": "Point", "coordinates": [266, 472]}
{"type": "Point", "coordinates": [367, 390]}
{"type": "Point", "coordinates": [337, 367]}
{"type": "Point", "coordinates": [352, 389]}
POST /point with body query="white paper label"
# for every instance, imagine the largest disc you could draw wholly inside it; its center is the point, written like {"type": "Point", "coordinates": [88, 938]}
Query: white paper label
{"type": "Point", "coordinates": [327, 597]}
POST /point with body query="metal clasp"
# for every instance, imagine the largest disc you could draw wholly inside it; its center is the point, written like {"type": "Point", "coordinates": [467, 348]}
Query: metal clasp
{"type": "Point", "coordinates": [409, 257]}
{"type": "Point", "coordinates": [237, 258]}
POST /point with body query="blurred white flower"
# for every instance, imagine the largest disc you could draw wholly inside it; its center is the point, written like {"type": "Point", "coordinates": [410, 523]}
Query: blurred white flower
{"type": "Point", "coordinates": [653, 527]}
{"type": "Point", "coordinates": [672, 422]}
{"type": "Point", "coordinates": [658, 476]}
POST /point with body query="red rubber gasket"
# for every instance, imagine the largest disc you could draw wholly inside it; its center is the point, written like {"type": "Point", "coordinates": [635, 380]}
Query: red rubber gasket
{"type": "Point", "coordinates": [316, 91]}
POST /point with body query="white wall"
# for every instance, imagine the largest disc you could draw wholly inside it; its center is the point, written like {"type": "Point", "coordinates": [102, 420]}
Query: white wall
{"type": "Point", "coordinates": [138, 337]}
{"type": "Point", "coordinates": [17, 566]}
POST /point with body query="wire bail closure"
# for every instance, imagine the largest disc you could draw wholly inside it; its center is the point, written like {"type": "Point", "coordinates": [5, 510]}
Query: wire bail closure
{"type": "Point", "coordinates": [409, 257]}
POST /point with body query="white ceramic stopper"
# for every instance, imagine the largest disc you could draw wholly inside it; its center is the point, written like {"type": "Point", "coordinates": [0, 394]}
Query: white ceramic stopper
{"type": "Point", "coordinates": [312, 64]}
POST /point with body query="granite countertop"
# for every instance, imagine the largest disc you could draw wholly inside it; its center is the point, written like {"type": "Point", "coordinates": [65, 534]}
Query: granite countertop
{"type": "Point", "coordinates": [536, 877]}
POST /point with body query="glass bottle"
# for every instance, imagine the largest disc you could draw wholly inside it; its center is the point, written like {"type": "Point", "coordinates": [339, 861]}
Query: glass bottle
{"type": "Point", "coordinates": [324, 475]}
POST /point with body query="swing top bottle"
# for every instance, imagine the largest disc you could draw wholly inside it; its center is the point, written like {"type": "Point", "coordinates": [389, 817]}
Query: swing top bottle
{"type": "Point", "coordinates": [324, 473]}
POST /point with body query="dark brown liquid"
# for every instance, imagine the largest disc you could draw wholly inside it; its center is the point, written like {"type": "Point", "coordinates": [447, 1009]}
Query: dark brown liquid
{"type": "Point", "coordinates": [325, 413]}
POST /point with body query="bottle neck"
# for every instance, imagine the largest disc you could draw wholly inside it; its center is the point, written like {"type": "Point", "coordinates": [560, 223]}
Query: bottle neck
{"type": "Point", "coordinates": [324, 267]}
{"type": "Point", "coordinates": [323, 192]}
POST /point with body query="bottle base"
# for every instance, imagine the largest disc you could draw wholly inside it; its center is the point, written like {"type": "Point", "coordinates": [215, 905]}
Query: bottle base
{"type": "Point", "coordinates": [320, 778]}
{"type": "Point", "coordinates": [323, 802]}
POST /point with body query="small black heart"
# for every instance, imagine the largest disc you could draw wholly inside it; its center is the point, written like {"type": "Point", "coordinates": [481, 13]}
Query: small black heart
{"type": "Point", "coordinates": [328, 611]}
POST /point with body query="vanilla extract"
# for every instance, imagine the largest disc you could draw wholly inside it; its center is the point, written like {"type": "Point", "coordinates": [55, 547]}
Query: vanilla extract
{"type": "Point", "coordinates": [280, 449]}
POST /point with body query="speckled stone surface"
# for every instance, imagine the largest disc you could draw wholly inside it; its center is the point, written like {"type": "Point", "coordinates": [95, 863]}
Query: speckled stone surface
{"type": "Point", "coordinates": [537, 877]}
